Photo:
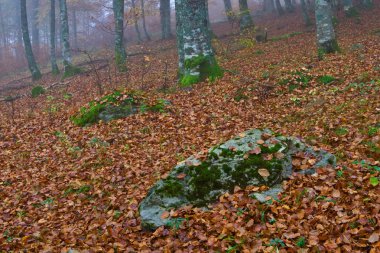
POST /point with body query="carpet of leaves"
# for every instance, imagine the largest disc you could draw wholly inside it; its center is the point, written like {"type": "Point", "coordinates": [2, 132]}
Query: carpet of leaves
{"type": "Point", "coordinates": [64, 187]}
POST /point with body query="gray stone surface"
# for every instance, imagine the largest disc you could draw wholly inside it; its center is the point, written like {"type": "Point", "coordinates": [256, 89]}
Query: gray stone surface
{"type": "Point", "coordinates": [255, 157]}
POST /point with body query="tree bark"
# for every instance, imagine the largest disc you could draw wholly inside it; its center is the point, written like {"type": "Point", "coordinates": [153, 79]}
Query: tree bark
{"type": "Point", "coordinates": [279, 8]}
{"type": "Point", "coordinates": [120, 54]}
{"type": "Point", "coordinates": [196, 56]}
{"type": "Point", "coordinates": [75, 30]}
{"type": "Point", "coordinates": [245, 15]}
{"type": "Point", "coordinates": [289, 6]}
{"type": "Point", "coordinates": [135, 20]}
{"type": "Point", "coordinates": [326, 39]}
{"type": "Point", "coordinates": [3, 33]}
{"type": "Point", "coordinates": [305, 13]}
{"type": "Point", "coordinates": [53, 58]}
{"type": "Point", "coordinates": [166, 32]}
{"type": "Point", "coordinates": [69, 69]}
{"type": "Point", "coordinates": [143, 19]}
{"type": "Point", "coordinates": [228, 9]}
{"type": "Point", "coordinates": [268, 6]}
{"type": "Point", "coordinates": [35, 26]}
{"type": "Point", "coordinates": [36, 74]}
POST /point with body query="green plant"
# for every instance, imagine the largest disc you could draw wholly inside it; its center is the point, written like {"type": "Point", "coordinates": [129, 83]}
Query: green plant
{"type": "Point", "coordinates": [372, 130]}
{"type": "Point", "coordinates": [117, 214]}
{"type": "Point", "coordinates": [301, 242]}
{"type": "Point", "coordinates": [326, 79]}
{"type": "Point", "coordinates": [277, 242]}
{"type": "Point", "coordinates": [240, 95]}
{"type": "Point", "coordinates": [175, 223]}
{"type": "Point", "coordinates": [341, 131]}
{"type": "Point", "coordinates": [37, 91]}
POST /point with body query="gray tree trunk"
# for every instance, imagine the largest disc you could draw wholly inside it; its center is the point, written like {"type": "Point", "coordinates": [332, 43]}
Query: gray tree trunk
{"type": "Point", "coordinates": [228, 9]}
{"type": "Point", "coordinates": [35, 26]}
{"type": "Point", "coordinates": [245, 16]}
{"type": "Point", "coordinates": [69, 69]}
{"type": "Point", "coordinates": [305, 13]}
{"type": "Point", "coordinates": [143, 19]}
{"type": "Point", "coordinates": [165, 19]}
{"type": "Point", "coordinates": [120, 54]}
{"type": "Point", "coordinates": [279, 8]}
{"type": "Point", "coordinates": [136, 19]}
{"type": "Point", "coordinates": [53, 58]}
{"type": "Point", "coordinates": [36, 74]}
{"type": "Point", "coordinates": [3, 33]}
{"type": "Point", "coordinates": [75, 29]}
{"type": "Point", "coordinates": [196, 56]}
{"type": "Point", "coordinates": [326, 39]}
{"type": "Point", "coordinates": [268, 6]}
{"type": "Point", "coordinates": [289, 6]}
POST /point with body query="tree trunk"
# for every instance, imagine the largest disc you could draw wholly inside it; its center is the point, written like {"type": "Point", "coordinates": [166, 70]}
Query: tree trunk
{"type": "Point", "coordinates": [120, 54]}
{"type": "Point", "coordinates": [69, 69]}
{"type": "Point", "coordinates": [3, 33]}
{"type": "Point", "coordinates": [305, 13]}
{"type": "Point", "coordinates": [228, 9]}
{"type": "Point", "coordinates": [245, 16]}
{"type": "Point", "coordinates": [289, 6]}
{"type": "Point", "coordinates": [135, 20]}
{"type": "Point", "coordinates": [268, 6]}
{"type": "Point", "coordinates": [53, 58]}
{"type": "Point", "coordinates": [196, 56]}
{"type": "Point", "coordinates": [75, 30]}
{"type": "Point", "coordinates": [143, 19]}
{"type": "Point", "coordinates": [326, 39]}
{"type": "Point", "coordinates": [279, 8]}
{"type": "Point", "coordinates": [165, 19]}
{"type": "Point", "coordinates": [36, 74]}
{"type": "Point", "coordinates": [35, 26]}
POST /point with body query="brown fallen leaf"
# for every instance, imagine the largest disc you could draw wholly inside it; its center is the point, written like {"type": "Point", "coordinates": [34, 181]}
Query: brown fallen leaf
{"type": "Point", "coordinates": [181, 176]}
{"type": "Point", "coordinates": [374, 237]}
{"type": "Point", "coordinates": [165, 215]}
{"type": "Point", "coordinates": [264, 172]}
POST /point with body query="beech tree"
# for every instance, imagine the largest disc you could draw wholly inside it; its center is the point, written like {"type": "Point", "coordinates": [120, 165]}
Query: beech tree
{"type": "Point", "coordinates": [326, 39]}
{"type": "Point", "coordinates": [53, 58]}
{"type": "Point", "coordinates": [120, 54]}
{"type": "Point", "coordinates": [69, 69]}
{"type": "Point", "coordinates": [36, 74]}
{"type": "Point", "coordinates": [165, 19]}
{"type": "Point", "coordinates": [245, 15]}
{"type": "Point", "coordinates": [196, 56]}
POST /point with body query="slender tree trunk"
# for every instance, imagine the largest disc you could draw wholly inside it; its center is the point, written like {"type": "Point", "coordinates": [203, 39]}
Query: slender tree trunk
{"type": "Point", "coordinates": [53, 58]}
{"type": "Point", "coordinates": [136, 19]}
{"type": "Point", "coordinates": [305, 13]}
{"type": "Point", "coordinates": [36, 74]}
{"type": "Point", "coordinates": [3, 33]}
{"type": "Point", "coordinates": [143, 19]}
{"type": "Point", "coordinates": [75, 30]}
{"type": "Point", "coordinates": [326, 39]}
{"type": "Point", "coordinates": [228, 9]}
{"type": "Point", "coordinates": [35, 26]}
{"type": "Point", "coordinates": [279, 8]}
{"type": "Point", "coordinates": [165, 19]}
{"type": "Point", "coordinates": [120, 54]}
{"type": "Point", "coordinates": [196, 56]}
{"type": "Point", "coordinates": [289, 6]}
{"type": "Point", "coordinates": [245, 15]}
{"type": "Point", "coordinates": [69, 69]}
{"type": "Point", "coordinates": [268, 6]}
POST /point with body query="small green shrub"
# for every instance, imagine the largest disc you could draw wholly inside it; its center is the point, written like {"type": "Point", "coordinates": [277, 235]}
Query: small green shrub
{"type": "Point", "coordinates": [326, 79]}
{"type": "Point", "coordinates": [301, 242]}
{"type": "Point", "coordinates": [341, 131]}
{"type": "Point", "coordinates": [37, 91]}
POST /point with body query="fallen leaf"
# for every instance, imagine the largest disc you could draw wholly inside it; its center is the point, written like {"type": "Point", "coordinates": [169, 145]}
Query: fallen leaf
{"type": "Point", "coordinates": [264, 172]}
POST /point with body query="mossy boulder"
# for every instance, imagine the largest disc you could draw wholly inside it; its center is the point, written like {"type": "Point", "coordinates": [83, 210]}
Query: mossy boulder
{"type": "Point", "coordinates": [255, 157]}
{"type": "Point", "coordinates": [116, 105]}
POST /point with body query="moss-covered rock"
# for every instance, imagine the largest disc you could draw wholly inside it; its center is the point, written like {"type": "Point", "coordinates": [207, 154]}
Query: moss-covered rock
{"type": "Point", "coordinates": [256, 157]}
{"type": "Point", "coordinates": [116, 105]}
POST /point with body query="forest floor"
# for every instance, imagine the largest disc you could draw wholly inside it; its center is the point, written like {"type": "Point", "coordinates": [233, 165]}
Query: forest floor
{"type": "Point", "coordinates": [65, 187]}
